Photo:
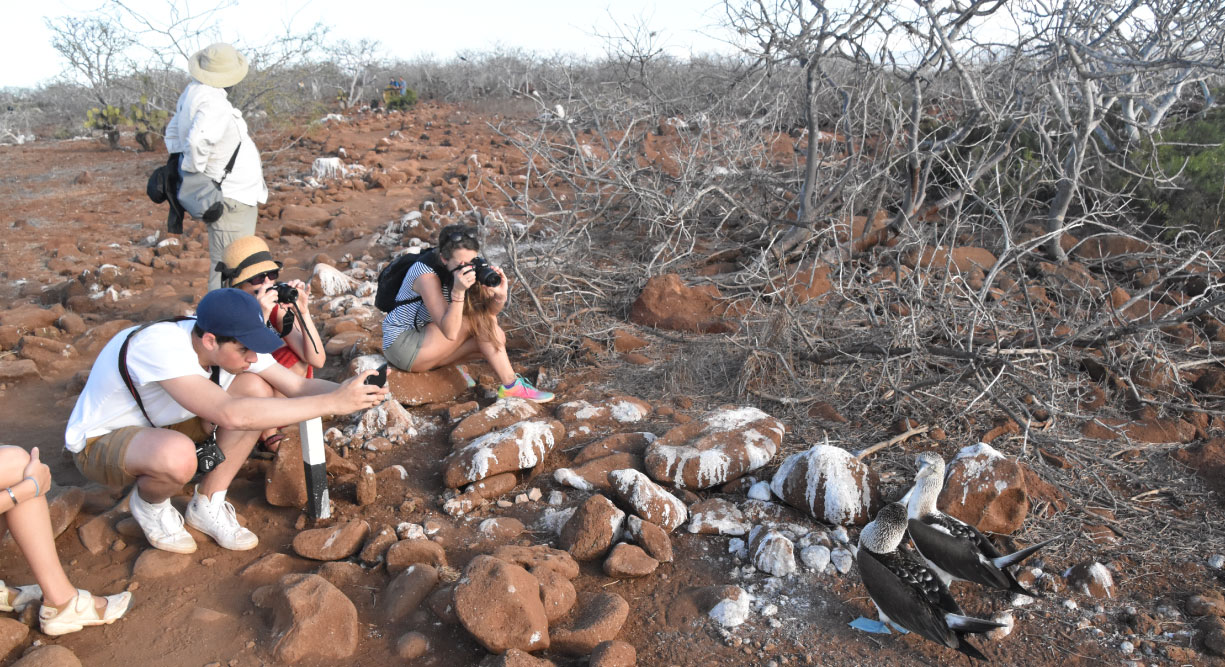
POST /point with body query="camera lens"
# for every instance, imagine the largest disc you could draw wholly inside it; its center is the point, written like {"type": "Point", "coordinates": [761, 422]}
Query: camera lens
{"type": "Point", "coordinates": [285, 293]}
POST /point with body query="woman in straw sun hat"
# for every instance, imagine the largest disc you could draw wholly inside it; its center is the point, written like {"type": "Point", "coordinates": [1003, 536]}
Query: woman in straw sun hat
{"type": "Point", "coordinates": [249, 266]}
{"type": "Point", "coordinates": [206, 129]}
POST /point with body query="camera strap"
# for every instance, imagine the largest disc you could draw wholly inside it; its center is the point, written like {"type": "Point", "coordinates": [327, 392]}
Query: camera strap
{"type": "Point", "coordinates": [127, 376]}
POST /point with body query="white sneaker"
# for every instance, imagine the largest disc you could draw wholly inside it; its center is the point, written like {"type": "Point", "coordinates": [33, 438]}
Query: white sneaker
{"type": "Point", "coordinates": [162, 524]}
{"type": "Point", "coordinates": [215, 517]}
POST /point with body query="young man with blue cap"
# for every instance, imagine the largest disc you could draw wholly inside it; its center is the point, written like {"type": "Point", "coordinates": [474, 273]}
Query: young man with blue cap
{"type": "Point", "coordinates": [185, 380]}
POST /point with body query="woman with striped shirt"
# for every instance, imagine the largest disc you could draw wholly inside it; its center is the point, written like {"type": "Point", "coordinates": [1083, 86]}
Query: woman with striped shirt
{"type": "Point", "coordinates": [445, 318]}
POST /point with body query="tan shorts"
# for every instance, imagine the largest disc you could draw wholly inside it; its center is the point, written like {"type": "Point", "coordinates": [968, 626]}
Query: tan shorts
{"type": "Point", "coordinates": [102, 458]}
{"type": "Point", "coordinates": [403, 352]}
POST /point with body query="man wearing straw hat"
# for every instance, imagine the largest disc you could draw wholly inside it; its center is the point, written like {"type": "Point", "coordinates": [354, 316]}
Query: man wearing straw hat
{"type": "Point", "coordinates": [207, 130]}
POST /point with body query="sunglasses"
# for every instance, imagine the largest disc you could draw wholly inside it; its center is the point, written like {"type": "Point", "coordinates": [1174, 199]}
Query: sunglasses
{"type": "Point", "coordinates": [261, 278]}
{"type": "Point", "coordinates": [456, 237]}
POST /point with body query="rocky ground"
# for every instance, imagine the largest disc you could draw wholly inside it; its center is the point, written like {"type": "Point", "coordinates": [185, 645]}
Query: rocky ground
{"type": "Point", "coordinates": [605, 528]}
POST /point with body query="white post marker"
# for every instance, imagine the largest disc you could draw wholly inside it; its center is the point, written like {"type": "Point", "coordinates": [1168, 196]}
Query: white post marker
{"type": "Point", "coordinates": [319, 506]}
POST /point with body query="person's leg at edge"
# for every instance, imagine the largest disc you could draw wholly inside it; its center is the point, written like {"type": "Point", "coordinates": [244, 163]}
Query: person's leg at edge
{"type": "Point", "coordinates": [237, 221]}
{"type": "Point", "coordinates": [30, 523]}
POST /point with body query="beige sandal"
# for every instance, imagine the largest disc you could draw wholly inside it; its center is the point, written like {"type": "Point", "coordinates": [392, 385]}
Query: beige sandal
{"type": "Point", "coordinates": [26, 595]}
{"type": "Point", "coordinates": [80, 612]}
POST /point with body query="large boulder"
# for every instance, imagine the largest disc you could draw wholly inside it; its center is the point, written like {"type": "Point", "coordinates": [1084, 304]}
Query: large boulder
{"type": "Point", "coordinates": [648, 499]}
{"type": "Point", "coordinates": [634, 443]}
{"type": "Point", "coordinates": [593, 474]}
{"type": "Point", "coordinates": [592, 529]}
{"type": "Point", "coordinates": [666, 302]}
{"type": "Point", "coordinates": [721, 446]}
{"type": "Point", "coordinates": [985, 489]}
{"type": "Point", "coordinates": [436, 386]}
{"type": "Point", "coordinates": [313, 619]}
{"type": "Point", "coordinates": [523, 445]}
{"type": "Point", "coordinates": [829, 484]}
{"type": "Point", "coordinates": [499, 603]}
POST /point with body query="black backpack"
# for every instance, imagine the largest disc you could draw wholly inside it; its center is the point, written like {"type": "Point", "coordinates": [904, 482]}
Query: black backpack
{"type": "Point", "coordinates": [391, 278]}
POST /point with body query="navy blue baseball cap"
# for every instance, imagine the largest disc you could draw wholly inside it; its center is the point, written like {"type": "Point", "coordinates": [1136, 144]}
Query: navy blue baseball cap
{"type": "Point", "coordinates": [233, 312]}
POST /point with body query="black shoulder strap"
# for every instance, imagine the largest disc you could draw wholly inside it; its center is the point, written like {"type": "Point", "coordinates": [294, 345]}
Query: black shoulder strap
{"type": "Point", "coordinates": [229, 166]}
{"type": "Point", "coordinates": [127, 376]}
{"type": "Point", "coordinates": [430, 258]}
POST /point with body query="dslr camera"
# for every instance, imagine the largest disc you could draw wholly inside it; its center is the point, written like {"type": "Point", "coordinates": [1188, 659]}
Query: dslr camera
{"type": "Point", "coordinates": [485, 274]}
{"type": "Point", "coordinates": [287, 294]}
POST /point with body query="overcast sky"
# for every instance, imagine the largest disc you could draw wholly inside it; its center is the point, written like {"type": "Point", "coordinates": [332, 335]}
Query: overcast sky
{"type": "Point", "coordinates": [406, 28]}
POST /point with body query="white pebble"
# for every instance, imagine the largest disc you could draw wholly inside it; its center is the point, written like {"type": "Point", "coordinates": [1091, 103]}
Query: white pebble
{"type": "Point", "coordinates": [1069, 604]}
{"type": "Point", "coordinates": [841, 559]}
{"type": "Point", "coordinates": [840, 535]}
{"type": "Point", "coordinates": [533, 494]}
{"type": "Point", "coordinates": [760, 491]}
{"type": "Point", "coordinates": [410, 531]}
{"type": "Point", "coordinates": [1127, 647]}
{"type": "Point", "coordinates": [816, 557]}
{"type": "Point", "coordinates": [1216, 561]}
{"type": "Point", "coordinates": [556, 497]}
{"type": "Point", "coordinates": [521, 498]}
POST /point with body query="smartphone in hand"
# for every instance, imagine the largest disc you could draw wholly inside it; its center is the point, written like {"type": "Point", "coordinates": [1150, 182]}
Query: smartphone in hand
{"type": "Point", "coordinates": [379, 378]}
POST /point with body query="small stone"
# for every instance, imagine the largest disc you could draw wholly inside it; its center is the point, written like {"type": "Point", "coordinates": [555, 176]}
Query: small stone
{"type": "Point", "coordinates": [842, 559]}
{"type": "Point", "coordinates": [1216, 561]}
{"type": "Point", "coordinates": [614, 653]}
{"type": "Point", "coordinates": [504, 504]}
{"type": "Point", "coordinates": [410, 531]}
{"type": "Point", "coordinates": [629, 561]}
{"type": "Point", "coordinates": [533, 494]}
{"type": "Point", "coordinates": [556, 497]}
{"type": "Point", "coordinates": [760, 491]}
{"type": "Point", "coordinates": [521, 499]}
{"type": "Point", "coordinates": [155, 563]}
{"type": "Point", "coordinates": [431, 527]}
{"type": "Point", "coordinates": [816, 557]}
{"type": "Point", "coordinates": [367, 486]}
{"type": "Point", "coordinates": [412, 645]}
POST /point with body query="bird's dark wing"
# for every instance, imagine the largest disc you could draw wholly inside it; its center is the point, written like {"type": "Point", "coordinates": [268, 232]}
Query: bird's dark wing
{"type": "Point", "coordinates": [903, 593]}
{"type": "Point", "coordinates": [957, 553]}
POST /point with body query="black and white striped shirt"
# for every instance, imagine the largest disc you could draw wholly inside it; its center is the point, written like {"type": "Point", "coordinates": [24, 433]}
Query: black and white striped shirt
{"type": "Point", "coordinates": [410, 315]}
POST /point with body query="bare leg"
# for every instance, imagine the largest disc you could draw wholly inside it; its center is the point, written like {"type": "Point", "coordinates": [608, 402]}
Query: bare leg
{"type": "Point", "coordinates": [162, 461]}
{"type": "Point", "coordinates": [30, 523]}
{"type": "Point", "coordinates": [495, 354]}
{"type": "Point", "coordinates": [236, 445]}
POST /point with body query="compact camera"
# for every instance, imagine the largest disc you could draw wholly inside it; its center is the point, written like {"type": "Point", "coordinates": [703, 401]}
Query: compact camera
{"type": "Point", "coordinates": [485, 274]}
{"type": "Point", "coordinates": [286, 293]}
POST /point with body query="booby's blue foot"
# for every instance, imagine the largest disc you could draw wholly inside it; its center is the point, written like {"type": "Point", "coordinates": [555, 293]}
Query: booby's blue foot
{"type": "Point", "coordinates": [868, 625]}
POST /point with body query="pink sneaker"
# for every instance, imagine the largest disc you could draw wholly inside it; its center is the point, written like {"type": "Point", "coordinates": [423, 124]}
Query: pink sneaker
{"type": "Point", "coordinates": [521, 388]}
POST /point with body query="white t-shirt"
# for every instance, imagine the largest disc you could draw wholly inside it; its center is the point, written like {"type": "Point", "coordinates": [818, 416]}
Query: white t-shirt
{"type": "Point", "coordinates": [160, 352]}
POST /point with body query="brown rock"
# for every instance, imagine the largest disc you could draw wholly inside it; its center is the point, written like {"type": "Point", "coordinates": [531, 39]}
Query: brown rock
{"type": "Point", "coordinates": [13, 633]}
{"type": "Point", "coordinates": [341, 573]}
{"type": "Point", "coordinates": [1106, 246]}
{"type": "Point", "coordinates": [442, 604]}
{"type": "Point", "coordinates": [515, 658]}
{"type": "Point", "coordinates": [502, 413]}
{"type": "Point", "coordinates": [523, 445]}
{"type": "Point", "coordinates": [1154, 430]}
{"type": "Point", "coordinates": [501, 528]}
{"type": "Point", "coordinates": [829, 484]}
{"type": "Point", "coordinates": [1208, 461]}
{"type": "Point", "coordinates": [405, 593]}
{"type": "Point", "coordinates": [961, 260]}
{"type": "Point", "coordinates": [332, 543]}
{"type": "Point", "coordinates": [375, 549]}
{"type": "Point", "coordinates": [599, 619]}
{"type": "Point", "coordinates": [404, 553]}
{"type": "Point", "coordinates": [717, 516]}
{"type": "Point", "coordinates": [986, 490]}
{"type": "Point", "coordinates": [304, 215]}
{"type": "Point", "coordinates": [648, 499]}
{"type": "Point", "coordinates": [28, 317]}
{"type": "Point", "coordinates": [627, 561]}
{"type": "Point", "coordinates": [285, 485]}
{"type": "Point", "coordinates": [499, 603]}
{"type": "Point", "coordinates": [269, 568]}
{"type": "Point", "coordinates": [592, 475]}
{"type": "Point", "coordinates": [367, 486]}
{"type": "Point", "coordinates": [436, 386]}
{"type": "Point", "coordinates": [615, 653]}
{"type": "Point", "coordinates": [721, 446]}
{"type": "Point", "coordinates": [97, 534]}
{"type": "Point", "coordinates": [667, 303]}
{"type": "Point", "coordinates": [624, 341]}
{"type": "Point", "coordinates": [592, 529]}
{"type": "Point", "coordinates": [539, 557]}
{"type": "Point", "coordinates": [412, 645]}
{"type": "Point", "coordinates": [1092, 579]}
{"type": "Point", "coordinates": [313, 619]}
{"type": "Point", "coordinates": [653, 539]}
{"type": "Point", "coordinates": [617, 443]}
{"type": "Point", "coordinates": [557, 594]}
{"type": "Point", "coordinates": [64, 507]}
{"type": "Point", "coordinates": [48, 655]}
{"type": "Point", "coordinates": [45, 351]}
{"type": "Point", "coordinates": [13, 370]}
{"type": "Point", "coordinates": [1206, 603]}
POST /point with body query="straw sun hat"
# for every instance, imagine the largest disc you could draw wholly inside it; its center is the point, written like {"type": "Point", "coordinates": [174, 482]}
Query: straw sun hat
{"type": "Point", "coordinates": [246, 258]}
{"type": "Point", "coordinates": [219, 65]}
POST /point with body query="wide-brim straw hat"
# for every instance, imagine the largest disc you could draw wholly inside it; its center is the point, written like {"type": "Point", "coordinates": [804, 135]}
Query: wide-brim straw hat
{"type": "Point", "coordinates": [219, 65]}
{"type": "Point", "coordinates": [246, 258]}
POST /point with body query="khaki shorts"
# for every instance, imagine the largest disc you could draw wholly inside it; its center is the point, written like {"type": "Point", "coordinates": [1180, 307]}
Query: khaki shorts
{"type": "Point", "coordinates": [403, 352]}
{"type": "Point", "coordinates": [102, 458]}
